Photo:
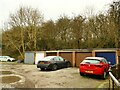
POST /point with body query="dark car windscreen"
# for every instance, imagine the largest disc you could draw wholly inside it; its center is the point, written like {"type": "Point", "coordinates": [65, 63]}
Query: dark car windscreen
{"type": "Point", "coordinates": [91, 61]}
{"type": "Point", "coordinates": [49, 58]}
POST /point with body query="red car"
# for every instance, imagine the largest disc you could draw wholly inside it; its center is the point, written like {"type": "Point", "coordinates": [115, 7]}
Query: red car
{"type": "Point", "coordinates": [94, 66]}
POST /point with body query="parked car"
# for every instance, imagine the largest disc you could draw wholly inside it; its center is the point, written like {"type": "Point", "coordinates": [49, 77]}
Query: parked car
{"type": "Point", "coordinates": [53, 63]}
{"type": "Point", "coordinates": [6, 58]}
{"type": "Point", "coordinates": [94, 66]}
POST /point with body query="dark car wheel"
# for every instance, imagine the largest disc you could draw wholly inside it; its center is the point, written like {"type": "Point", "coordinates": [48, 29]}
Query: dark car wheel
{"type": "Point", "coordinates": [68, 65]}
{"type": "Point", "coordinates": [104, 75]}
{"type": "Point", "coordinates": [54, 67]}
{"type": "Point", "coordinates": [82, 74]}
{"type": "Point", "coordinates": [8, 60]}
{"type": "Point", "coordinates": [42, 69]}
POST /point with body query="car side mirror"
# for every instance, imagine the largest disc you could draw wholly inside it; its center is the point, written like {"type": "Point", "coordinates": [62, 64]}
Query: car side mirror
{"type": "Point", "coordinates": [109, 62]}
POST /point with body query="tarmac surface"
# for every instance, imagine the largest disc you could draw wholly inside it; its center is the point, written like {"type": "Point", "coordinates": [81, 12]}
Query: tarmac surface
{"type": "Point", "coordinates": [32, 77]}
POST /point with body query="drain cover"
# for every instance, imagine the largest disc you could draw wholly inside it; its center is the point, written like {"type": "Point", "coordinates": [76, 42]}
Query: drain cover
{"type": "Point", "coordinates": [10, 79]}
{"type": "Point", "coordinates": [6, 72]}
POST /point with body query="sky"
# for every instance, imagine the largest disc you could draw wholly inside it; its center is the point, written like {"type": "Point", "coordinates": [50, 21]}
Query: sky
{"type": "Point", "coordinates": [52, 9]}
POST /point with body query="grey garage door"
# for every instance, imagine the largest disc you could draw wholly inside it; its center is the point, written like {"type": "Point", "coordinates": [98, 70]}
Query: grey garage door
{"type": "Point", "coordinates": [29, 58]}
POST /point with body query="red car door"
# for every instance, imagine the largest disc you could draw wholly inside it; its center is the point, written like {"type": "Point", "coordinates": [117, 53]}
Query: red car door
{"type": "Point", "coordinates": [106, 64]}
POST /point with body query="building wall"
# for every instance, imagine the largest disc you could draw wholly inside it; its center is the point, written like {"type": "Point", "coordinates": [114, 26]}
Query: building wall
{"type": "Point", "coordinates": [119, 53]}
{"type": "Point", "coordinates": [51, 53]}
{"type": "Point", "coordinates": [75, 57]}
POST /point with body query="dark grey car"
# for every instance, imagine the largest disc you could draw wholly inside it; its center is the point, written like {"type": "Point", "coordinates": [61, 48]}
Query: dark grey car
{"type": "Point", "coordinates": [53, 63]}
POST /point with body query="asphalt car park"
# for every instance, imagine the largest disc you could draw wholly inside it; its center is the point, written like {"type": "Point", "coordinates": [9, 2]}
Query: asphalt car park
{"type": "Point", "coordinates": [32, 77]}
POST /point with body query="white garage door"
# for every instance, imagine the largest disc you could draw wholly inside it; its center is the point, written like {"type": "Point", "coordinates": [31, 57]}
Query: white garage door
{"type": "Point", "coordinates": [39, 55]}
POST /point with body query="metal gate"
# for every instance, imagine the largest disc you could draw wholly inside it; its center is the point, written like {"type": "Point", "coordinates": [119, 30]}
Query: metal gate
{"type": "Point", "coordinates": [110, 56]}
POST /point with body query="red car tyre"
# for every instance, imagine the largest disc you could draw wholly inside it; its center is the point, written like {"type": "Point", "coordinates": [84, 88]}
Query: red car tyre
{"type": "Point", "coordinates": [82, 74]}
{"type": "Point", "coordinates": [104, 74]}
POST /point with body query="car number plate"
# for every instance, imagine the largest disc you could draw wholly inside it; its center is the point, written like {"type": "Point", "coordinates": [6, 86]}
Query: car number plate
{"type": "Point", "coordinates": [41, 62]}
{"type": "Point", "coordinates": [89, 71]}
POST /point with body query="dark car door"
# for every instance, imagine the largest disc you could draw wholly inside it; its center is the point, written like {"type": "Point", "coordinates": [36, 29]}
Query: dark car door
{"type": "Point", "coordinates": [59, 61]}
{"type": "Point", "coordinates": [63, 62]}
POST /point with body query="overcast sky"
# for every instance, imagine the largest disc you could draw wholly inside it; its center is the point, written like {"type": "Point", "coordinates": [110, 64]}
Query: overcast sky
{"type": "Point", "coordinates": [52, 9]}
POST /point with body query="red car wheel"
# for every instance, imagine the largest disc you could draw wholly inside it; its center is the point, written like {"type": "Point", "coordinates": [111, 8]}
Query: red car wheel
{"type": "Point", "coordinates": [104, 75]}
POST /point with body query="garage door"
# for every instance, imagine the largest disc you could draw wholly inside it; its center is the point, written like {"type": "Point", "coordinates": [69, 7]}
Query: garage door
{"type": "Point", "coordinates": [39, 56]}
{"type": "Point", "coordinates": [67, 56]}
{"type": "Point", "coordinates": [110, 56]}
{"type": "Point", "coordinates": [80, 56]}
{"type": "Point", "coordinates": [29, 58]}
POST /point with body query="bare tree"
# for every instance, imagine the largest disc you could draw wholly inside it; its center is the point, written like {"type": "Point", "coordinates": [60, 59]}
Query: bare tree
{"type": "Point", "coordinates": [114, 14]}
{"type": "Point", "coordinates": [25, 21]}
{"type": "Point", "coordinates": [77, 25]}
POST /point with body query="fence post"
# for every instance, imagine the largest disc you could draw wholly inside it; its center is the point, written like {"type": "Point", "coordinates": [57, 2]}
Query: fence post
{"type": "Point", "coordinates": [109, 84]}
{"type": "Point", "coordinates": [113, 84]}
{"type": "Point", "coordinates": [118, 71]}
{"type": "Point", "coordinates": [110, 70]}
